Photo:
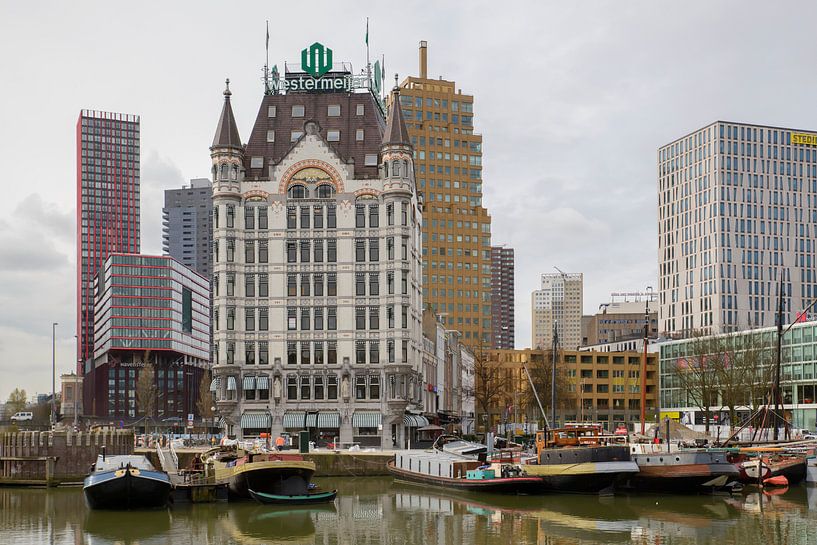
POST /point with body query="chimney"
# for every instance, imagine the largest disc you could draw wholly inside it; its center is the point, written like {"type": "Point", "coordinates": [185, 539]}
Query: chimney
{"type": "Point", "coordinates": [423, 59]}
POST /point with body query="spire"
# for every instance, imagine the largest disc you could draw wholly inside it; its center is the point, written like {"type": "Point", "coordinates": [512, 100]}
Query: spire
{"type": "Point", "coordinates": [227, 132]}
{"type": "Point", "coordinates": [396, 132]}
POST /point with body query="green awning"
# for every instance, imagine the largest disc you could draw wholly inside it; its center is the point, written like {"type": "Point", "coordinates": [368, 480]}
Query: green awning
{"type": "Point", "coordinates": [294, 419]}
{"type": "Point", "coordinates": [414, 421]}
{"type": "Point", "coordinates": [255, 420]}
{"type": "Point", "coordinates": [231, 383]}
{"type": "Point", "coordinates": [249, 383]}
{"type": "Point", "coordinates": [214, 384]}
{"type": "Point", "coordinates": [366, 419]}
{"type": "Point", "coordinates": [262, 382]}
{"type": "Point", "coordinates": [328, 420]}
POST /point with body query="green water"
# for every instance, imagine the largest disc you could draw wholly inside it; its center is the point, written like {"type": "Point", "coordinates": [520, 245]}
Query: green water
{"type": "Point", "coordinates": [376, 510]}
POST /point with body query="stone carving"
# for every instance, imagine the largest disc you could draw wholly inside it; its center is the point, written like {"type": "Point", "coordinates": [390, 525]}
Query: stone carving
{"type": "Point", "coordinates": [276, 388]}
{"type": "Point", "coordinates": [344, 387]}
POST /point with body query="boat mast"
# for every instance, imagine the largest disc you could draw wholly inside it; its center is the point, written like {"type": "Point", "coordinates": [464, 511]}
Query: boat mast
{"type": "Point", "coordinates": [644, 367]}
{"type": "Point", "coordinates": [553, 374]}
{"type": "Point", "coordinates": [536, 395]}
{"type": "Point", "coordinates": [778, 358]}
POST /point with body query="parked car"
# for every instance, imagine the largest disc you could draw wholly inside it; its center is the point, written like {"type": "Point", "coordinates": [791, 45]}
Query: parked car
{"type": "Point", "coordinates": [22, 416]}
{"type": "Point", "coordinates": [811, 436]}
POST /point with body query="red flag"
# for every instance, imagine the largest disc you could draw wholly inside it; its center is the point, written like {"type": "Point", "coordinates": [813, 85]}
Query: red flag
{"type": "Point", "coordinates": [801, 317]}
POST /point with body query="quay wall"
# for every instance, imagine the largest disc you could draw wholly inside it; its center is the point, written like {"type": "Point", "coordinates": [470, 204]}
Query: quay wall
{"type": "Point", "coordinates": [50, 458]}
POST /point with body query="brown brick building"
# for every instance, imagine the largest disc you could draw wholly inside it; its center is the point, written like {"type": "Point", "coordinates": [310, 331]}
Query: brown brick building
{"type": "Point", "coordinates": [502, 293]}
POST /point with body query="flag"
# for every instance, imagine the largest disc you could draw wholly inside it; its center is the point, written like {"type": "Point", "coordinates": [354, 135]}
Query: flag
{"type": "Point", "coordinates": [367, 31]}
{"type": "Point", "coordinates": [801, 317]}
{"type": "Point", "coordinates": [267, 35]}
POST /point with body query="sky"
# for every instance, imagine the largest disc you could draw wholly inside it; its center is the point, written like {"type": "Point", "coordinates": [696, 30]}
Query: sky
{"type": "Point", "coordinates": [572, 99]}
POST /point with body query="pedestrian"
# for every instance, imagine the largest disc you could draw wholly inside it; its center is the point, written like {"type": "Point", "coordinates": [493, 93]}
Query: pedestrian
{"type": "Point", "coordinates": [279, 443]}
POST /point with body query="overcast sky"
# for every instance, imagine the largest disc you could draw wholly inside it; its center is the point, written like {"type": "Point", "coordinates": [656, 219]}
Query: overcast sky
{"type": "Point", "coordinates": [572, 99]}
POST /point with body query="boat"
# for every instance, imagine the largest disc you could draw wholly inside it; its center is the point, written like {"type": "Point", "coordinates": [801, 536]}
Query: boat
{"type": "Point", "coordinates": [294, 499]}
{"type": "Point", "coordinates": [811, 470]}
{"type": "Point", "coordinates": [126, 482]}
{"type": "Point", "coordinates": [759, 468]}
{"type": "Point", "coordinates": [262, 472]}
{"type": "Point", "coordinates": [462, 465]}
{"type": "Point", "coordinates": [682, 471]}
{"type": "Point", "coordinates": [576, 460]}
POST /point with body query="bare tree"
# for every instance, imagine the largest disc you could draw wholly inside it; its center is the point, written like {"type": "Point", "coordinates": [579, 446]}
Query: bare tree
{"type": "Point", "coordinates": [541, 374]}
{"type": "Point", "coordinates": [146, 390]}
{"type": "Point", "coordinates": [16, 401]}
{"type": "Point", "coordinates": [205, 402]}
{"type": "Point", "coordinates": [697, 374]}
{"type": "Point", "coordinates": [491, 382]}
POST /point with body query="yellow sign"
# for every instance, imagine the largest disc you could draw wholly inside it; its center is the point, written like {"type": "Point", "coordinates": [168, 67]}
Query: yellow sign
{"type": "Point", "coordinates": [673, 415]}
{"type": "Point", "coordinates": [802, 138]}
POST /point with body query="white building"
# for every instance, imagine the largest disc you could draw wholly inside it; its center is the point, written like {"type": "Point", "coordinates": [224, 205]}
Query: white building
{"type": "Point", "coordinates": [737, 207]}
{"type": "Point", "coordinates": [559, 300]}
{"type": "Point", "coordinates": [317, 301]}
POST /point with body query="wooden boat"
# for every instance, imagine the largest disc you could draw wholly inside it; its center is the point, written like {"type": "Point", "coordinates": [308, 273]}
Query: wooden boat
{"type": "Point", "coordinates": [574, 460]}
{"type": "Point", "coordinates": [680, 470]}
{"type": "Point", "coordinates": [269, 473]}
{"type": "Point", "coordinates": [454, 472]}
{"type": "Point", "coordinates": [755, 469]}
{"type": "Point", "coordinates": [295, 499]}
{"type": "Point", "coordinates": [126, 482]}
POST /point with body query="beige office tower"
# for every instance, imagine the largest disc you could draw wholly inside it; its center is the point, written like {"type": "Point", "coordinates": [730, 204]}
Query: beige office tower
{"type": "Point", "coordinates": [559, 300]}
{"type": "Point", "coordinates": [456, 227]}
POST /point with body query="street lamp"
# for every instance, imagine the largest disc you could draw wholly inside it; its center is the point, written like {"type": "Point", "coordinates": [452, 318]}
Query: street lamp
{"type": "Point", "coordinates": [53, 374]}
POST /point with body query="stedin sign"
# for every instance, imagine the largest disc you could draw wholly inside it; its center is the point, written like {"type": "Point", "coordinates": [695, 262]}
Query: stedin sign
{"type": "Point", "coordinates": [316, 62]}
{"type": "Point", "coordinates": [803, 138]}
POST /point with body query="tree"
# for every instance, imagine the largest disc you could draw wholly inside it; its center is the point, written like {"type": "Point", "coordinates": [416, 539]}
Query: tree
{"type": "Point", "coordinates": [491, 382]}
{"type": "Point", "coordinates": [205, 402]}
{"type": "Point", "coordinates": [697, 374]}
{"type": "Point", "coordinates": [541, 374]}
{"type": "Point", "coordinates": [146, 390]}
{"type": "Point", "coordinates": [16, 401]}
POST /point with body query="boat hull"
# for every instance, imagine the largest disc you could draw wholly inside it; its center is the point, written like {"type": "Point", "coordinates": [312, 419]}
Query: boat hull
{"type": "Point", "coordinates": [127, 488]}
{"type": "Point", "coordinates": [285, 478]}
{"type": "Point", "coordinates": [581, 478]}
{"type": "Point", "coordinates": [507, 485]}
{"type": "Point", "coordinates": [682, 472]}
{"type": "Point", "coordinates": [794, 469]}
{"type": "Point", "coordinates": [305, 499]}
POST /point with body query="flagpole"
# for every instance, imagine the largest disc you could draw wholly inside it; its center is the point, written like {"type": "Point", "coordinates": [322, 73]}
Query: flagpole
{"type": "Point", "coordinates": [368, 66]}
{"type": "Point", "coordinates": [266, 64]}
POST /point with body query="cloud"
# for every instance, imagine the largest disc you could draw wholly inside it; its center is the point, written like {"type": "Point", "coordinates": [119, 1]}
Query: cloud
{"type": "Point", "coordinates": [158, 173]}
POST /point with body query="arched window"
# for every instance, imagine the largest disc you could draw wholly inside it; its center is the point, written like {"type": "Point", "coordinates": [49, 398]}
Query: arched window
{"type": "Point", "coordinates": [325, 191]}
{"type": "Point", "coordinates": [296, 192]}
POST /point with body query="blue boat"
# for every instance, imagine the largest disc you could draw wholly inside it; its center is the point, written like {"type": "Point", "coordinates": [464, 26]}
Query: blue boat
{"type": "Point", "coordinates": [126, 482]}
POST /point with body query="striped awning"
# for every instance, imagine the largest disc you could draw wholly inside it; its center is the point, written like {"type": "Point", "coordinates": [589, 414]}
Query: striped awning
{"type": "Point", "coordinates": [366, 419]}
{"type": "Point", "coordinates": [231, 383]}
{"type": "Point", "coordinates": [328, 420]}
{"type": "Point", "coordinates": [214, 384]}
{"type": "Point", "coordinates": [415, 421]}
{"type": "Point", "coordinates": [262, 382]}
{"type": "Point", "coordinates": [294, 419]}
{"type": "Point", "coordinates": [312, 420]}
{"type": "Point", "coordinates": [255, 420]}
{"type": "Point", "coordinates": [249, 383]}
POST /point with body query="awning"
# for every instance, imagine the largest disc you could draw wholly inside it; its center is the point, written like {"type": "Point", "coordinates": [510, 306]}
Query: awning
{"type": "Point", "coordinates": [255, 420]}
{"type": "Point", "coordinates": [214, 384]}
{"type": "Point", "coordinates": [366, 419]}
{"type": "Point", "coordinates": [294, 419]}
{"type": "Point", "coordinates": [328, 420]}
{"type": "Point", "coordinates": [249, 383]}
{"type": "Point", "coordinates": [262, 382]}
{"type": "Point", "coordinates": [311, 420]}
{"type": "Point", "coordinates": [231, 383]}
{"type": "Point", "coordinates": [415, 421]}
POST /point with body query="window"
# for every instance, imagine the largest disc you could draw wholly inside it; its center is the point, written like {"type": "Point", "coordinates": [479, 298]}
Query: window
{"type": "Point", "coordinates": [317, 347]}
{"type": "Point", "coordinates": [306, 355]}
{"type": "Point", "coordinates": [230, 250]}
{"type": "Point", "coordinates": [404, 282]}
{"type": "Point", "coordinates": [249, 217]}
{"type": "Point", "coordinates": [249, 285]}
{"type": "Point", "coordinates": [317, 285]}
{"type": "Point", "coordinates": [263, 285]}
{"type": "Point", "coordinates": [333, 110]}
{"type": "Point", "coordinates": [318, 387]}
{"type": "Point", "coordinates": [332, 285]}
{"type": "Point", "coordinates": [262, 217]}
{"type": "Point", "coordinates": [360, 352]}
{"type": "Point", "coordinates": [374, 284]}
{"type": "Point", "coordinates": [332, 325]}
{"type": "Point", "coordinates": [359, 135]}
{"type": "Point", "coordinates": [270, 136]}
{"type": "Point", "coordinates": [404, 214]}
{"type": "Point", "coordinates": [263, 253]}
{"type": "Point", "coordinates": [305, 285]}
{"type": "Point", "coordinates": [333, 135]}
{"type": "Point", "coordinates": [404, 351]}
{"type": "Point", "coordinates": [374, 352]}
{"type": "Point", "coordinates": [291, 218]}
{"type": "Point", "coordinates": [295, 135]}
{"type": "Point", "coordinates": [297, 110]}
{"type": "Point", "coordinates": [263, 319]}
{"type": "Point", "coordinates": [331, 250]}
{"type": "Point", "coordinates": [257, 162]}
{"type": "Point", "coordinates": [370, 160]}
{"type": "Point", "coordinates": [292, 286]}
{"type": "Point", "coordinates": [374, 215]}
{"type": "Point", "coordinates": [292, 353]}
{"type": "Point", "coordinates": [360, 387]}
{"type": "Point", "coordinates": [390, 282]}
{"type": "Point", "coordinates": [249, 353]}
{"type": "Point", "coordinates": [230, 284]}
{"type": "Point", "coordinates": [374, 387]}
{"type": "Point", "coordinates": [390, 350]}
{"type": "Point", "coordinates": [374, 318]}
{"type": "Point", "coordinates": [390, 316]}
{"type": "Point", "coordinates": [230, 318]}
{"type": "Point", "coordinates": [292, 319]}
{"type": "Point", "coordinates": [374, 249]}
{"type": "Point", "coordinates": [360, 250]}
{"type": "Point", "coordinates": [318, 319]}
{"type": "Point", "coordinates": [305, 319]}
{"type": "Point", "coordinates": [249, 319]}
{"type": "Point", "coordinates": [359, 109]}
{"type": "Point", "coordinates": [292, 252]}
{"type": "Point", "coordinates": [331, 215]}
{"type": "Point", "coordinates": [332, 386]}
{"type": "Point", "coordinates": [325, 191]}
{"type": "Point", "coordinates": [360, 284]}
{"type": "Point", "coordinates": [305, 251]}
{"type": "Point", "coordinates": [317, 217]}
{"type": "Point", "coordinates": [318, 247]}
{"type": "Point", "coordinates": [360, 216]}
{"type": "Point", "coordinates": [390, 248]}
{"type": "Point", "coordinates": [390, 214]}
{"type": "Point", "coordinates": [292, 387]}
{"type": "Point", "coordinates": [249, 251]}
{"type": "Point", "coordinates": [404, 248]}
{"type": "Point", "coordinates": [263, 353]}
{"type": "Point", "coordinates": [360, 318]}
{"type": "Point", "coordinates": [230, 353]}
{"type": "Point", "coordinates": [272, 111]}
{"type": "Point", "coordinates": [305, 217]}
{"type": "Point", "coordinates": [404, 317]}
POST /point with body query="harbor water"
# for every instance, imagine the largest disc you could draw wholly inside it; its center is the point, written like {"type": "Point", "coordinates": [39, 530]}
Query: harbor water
{"type": "Point", "coordinates": [378, 510]}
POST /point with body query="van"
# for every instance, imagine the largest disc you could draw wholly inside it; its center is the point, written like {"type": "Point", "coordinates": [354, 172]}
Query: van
{"type": "Point", "coordinates": [22, 416]}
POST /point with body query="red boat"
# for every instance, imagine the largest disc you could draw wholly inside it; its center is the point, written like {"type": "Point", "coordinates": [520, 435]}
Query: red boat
{"type": "Point", "coordinates": [758, 469]}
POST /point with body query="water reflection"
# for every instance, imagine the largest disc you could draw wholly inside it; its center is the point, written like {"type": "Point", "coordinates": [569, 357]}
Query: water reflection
{"type": "Point", "coordinates": [379, 511]}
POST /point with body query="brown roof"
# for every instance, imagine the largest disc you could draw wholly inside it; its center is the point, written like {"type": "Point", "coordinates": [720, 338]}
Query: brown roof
{"type": "Point", "coordinates": [396, 132]}
{"type": "Point", "coordinates": [227, 131]}
{"type": "Point", "coordinates": [316, 106]}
